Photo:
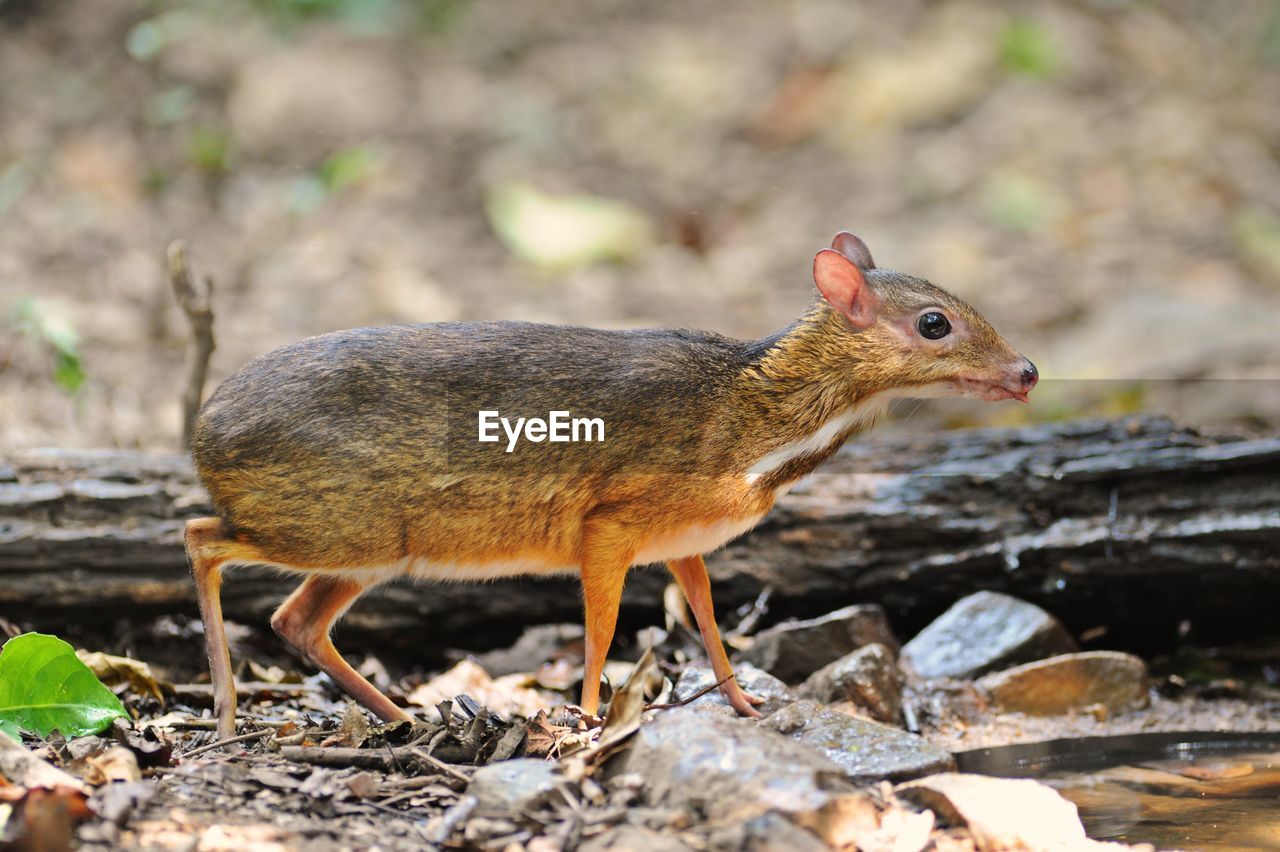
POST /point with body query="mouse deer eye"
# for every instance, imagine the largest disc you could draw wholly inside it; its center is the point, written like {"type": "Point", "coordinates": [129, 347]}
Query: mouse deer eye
{"type": "Point", "coordinates": [933, 326]}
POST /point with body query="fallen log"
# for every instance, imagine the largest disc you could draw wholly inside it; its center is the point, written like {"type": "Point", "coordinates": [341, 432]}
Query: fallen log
{"type": "Point", "coordinates": [1135, 530]}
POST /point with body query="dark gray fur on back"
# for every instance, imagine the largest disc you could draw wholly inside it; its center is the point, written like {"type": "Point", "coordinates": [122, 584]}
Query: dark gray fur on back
{"type": "Point", "coordinates": [369, 395]}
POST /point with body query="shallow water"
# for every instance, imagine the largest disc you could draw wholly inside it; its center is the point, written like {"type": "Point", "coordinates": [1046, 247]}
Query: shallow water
{"type": "Point", "coordinates": [1177, 791]}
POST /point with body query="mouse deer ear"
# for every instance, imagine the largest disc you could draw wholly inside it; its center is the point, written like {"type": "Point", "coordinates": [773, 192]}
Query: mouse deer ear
{"type": "Point", "coordinates": [854, 249]}
{"type": "Point", "coordinates": [845, 288]}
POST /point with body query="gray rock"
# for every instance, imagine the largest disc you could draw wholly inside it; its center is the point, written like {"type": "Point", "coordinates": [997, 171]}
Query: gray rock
{"type": "Point", "coordinates": [767, 833]}
{"type": "Point", "coordinates": [1059, 685]}
{"type": "Point", "coordinates": [867, 751]}
{"type": "Point", "coordinates": [869, 677]}
{"type": "Point", "coordinates": [694, 679]}
{"type": "Point", "coordinates": [629, 838]}
{"type": "Point", "coordinates": [793, 650]}
{"type": "Point", "coordinates": [535, 646]}
{"type": "Point", "coordinates": [514, 787]}
{"type": "Point", "coordinates": [985, 632]}
{"type": "Point", "coordinates": [735, 770]}
{"type": "Point", "coordinates": [85, 747]}
{"type": "Point", "coordinates": [946, 701]}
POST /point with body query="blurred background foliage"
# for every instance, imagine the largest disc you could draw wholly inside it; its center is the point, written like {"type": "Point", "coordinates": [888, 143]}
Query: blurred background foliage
{"type": "Point", "coordinates": [1101, 177]}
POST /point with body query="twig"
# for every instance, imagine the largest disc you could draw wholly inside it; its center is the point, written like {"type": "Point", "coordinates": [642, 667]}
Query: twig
{"type": "Point", "coordinates": [437, 763]}
{"type": "Point", "coordinates": [435, 740]}
{"type": "Point", "coordinates": [365, 758]}
{"type": "Point", "coordinates": [196, 724]}
{"type": "Point", "coordinates": [454, 817]}
{"type": "Point", "coordinates": [400, 797]}
{"type": "Point", "coordinates": [252, 735]}
{"type": "Point", "coordinates": [382, 806]}
{"type": "Point", "coordinates": [202, 693]}
{"type": "Point", "coordinates": [757, 609]}
{"type": "Point", "coordinates": [338, 756]}
{"type": "Point", "coordinates": [197, 303]}
{"type": "Point", "coordinates": [394, 761]}
{"type": "Point", "coordinates": [430, 737]}
{"type": "Point", "coordinates": [691, 698]}
{"type": "Point", "coordinates": [414, 785]}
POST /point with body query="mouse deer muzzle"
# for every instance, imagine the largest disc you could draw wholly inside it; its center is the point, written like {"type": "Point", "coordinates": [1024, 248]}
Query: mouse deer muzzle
{"type": "Point", "coordinates": [1012, 381]}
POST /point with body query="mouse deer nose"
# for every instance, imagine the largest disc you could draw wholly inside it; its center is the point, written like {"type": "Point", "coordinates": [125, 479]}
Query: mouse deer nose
{"type": "Point", "coordinates": [1030, 375]}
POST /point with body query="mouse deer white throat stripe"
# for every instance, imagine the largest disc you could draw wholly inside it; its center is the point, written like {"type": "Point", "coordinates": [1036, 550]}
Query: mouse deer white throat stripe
{"type": "Point", "coordinates": [861, 414]}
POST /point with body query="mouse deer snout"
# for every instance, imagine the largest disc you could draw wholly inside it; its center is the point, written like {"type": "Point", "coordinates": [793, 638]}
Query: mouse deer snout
{"type": "Point", "coordinates": [1030, 375]}
{"type": "Point", "coordinates": [1021, 377]}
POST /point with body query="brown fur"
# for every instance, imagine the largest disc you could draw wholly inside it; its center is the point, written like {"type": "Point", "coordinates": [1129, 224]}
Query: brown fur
{"type": "Point", "coordinates": [357, 450]}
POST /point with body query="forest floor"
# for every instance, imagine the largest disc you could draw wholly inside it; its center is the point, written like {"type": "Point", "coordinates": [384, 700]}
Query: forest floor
{"type": "Point", "coordinates": [319, 774]}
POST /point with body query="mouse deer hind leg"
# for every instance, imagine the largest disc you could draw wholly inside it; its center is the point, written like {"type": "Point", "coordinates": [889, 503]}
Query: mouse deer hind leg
{"type": "Point", "coordinates": [206, 559]}
{"type": "Point", "coordinates": [691, 575]}
{"type": "Point", "coordinates": [304, 621]}
{"type": "Point", "coordinates": [606, 560]}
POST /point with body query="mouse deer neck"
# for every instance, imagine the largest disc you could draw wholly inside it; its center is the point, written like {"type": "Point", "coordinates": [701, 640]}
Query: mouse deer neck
{"type": "Point", "coordinates": [805, 389]}
{"type": "Point", "coordinates": [813, 369]}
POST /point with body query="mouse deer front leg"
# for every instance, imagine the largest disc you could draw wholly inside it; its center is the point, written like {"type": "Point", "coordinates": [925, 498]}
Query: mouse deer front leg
{"type": "Point", "coordinates": [691, 575]}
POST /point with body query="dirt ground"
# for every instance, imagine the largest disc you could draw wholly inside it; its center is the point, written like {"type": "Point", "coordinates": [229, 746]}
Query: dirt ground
{"type": "Point", "coordinates": [1101, 179]}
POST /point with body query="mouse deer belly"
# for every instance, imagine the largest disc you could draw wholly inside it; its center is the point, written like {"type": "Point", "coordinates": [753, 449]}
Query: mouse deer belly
{"type": "Point", "coordinates": [536, 565]}
{"type": "Point", "coordinates": [694, 539]}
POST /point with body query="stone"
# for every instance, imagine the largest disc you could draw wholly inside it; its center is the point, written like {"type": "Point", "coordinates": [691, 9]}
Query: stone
{"type": "Point", "coordinates": [869, 677]}
{"type": "Point", "coordinates": [627, 838]}
{"type": "Point", "coordinates": [985, 632]}
{"type": "Point", "coordinates": [945, 701]}
{"type": "Point", "coordinates": [514, 787]}
{"type": "Point", "coordinates": [793, 650]}
{"type": "Point", "coordinates": [1001, 813]}
{"type": "Point", "coordinates": [1060, 685]}
{"type": "Point", "coordinates": [733, 770]}
{"type": "Point", "coordinates": [537, 645]}
{"type": "Point", "coordinates": [866, 751]}
{"type": "Point", "coordinates": [694, 679]}
{"type": "Point", "coordinates": [767, 833]}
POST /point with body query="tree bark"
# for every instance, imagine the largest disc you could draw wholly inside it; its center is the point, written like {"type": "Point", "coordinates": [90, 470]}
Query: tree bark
{"type": "Point", "coordinates": [1136, 530]}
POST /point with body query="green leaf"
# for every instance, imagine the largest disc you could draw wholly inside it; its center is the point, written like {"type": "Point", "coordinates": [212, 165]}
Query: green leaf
{"type": "Point", "coordinates": [1256, 233]}
{"type": "Point", "coordinates": [1020, 202]}
{"type": "Point", "coordinates": [209, 149]}
{"type": "Point", "coordinates": [348, 167]}
{"type": "Point", "coordinates": [68, 372]}
{"type": "Point", "coordinates": [1029, 49]}
{"type": "Point", "coordinates": [566, 231]}
{"type": "Point", "coordinates": [44, 325]}
{"type": "Point", "coordinates": [44, 686]}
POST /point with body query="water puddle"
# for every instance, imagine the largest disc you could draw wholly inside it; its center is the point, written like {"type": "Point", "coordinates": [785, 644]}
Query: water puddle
{"type": "Point", "coordinates": [1218, 791]}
